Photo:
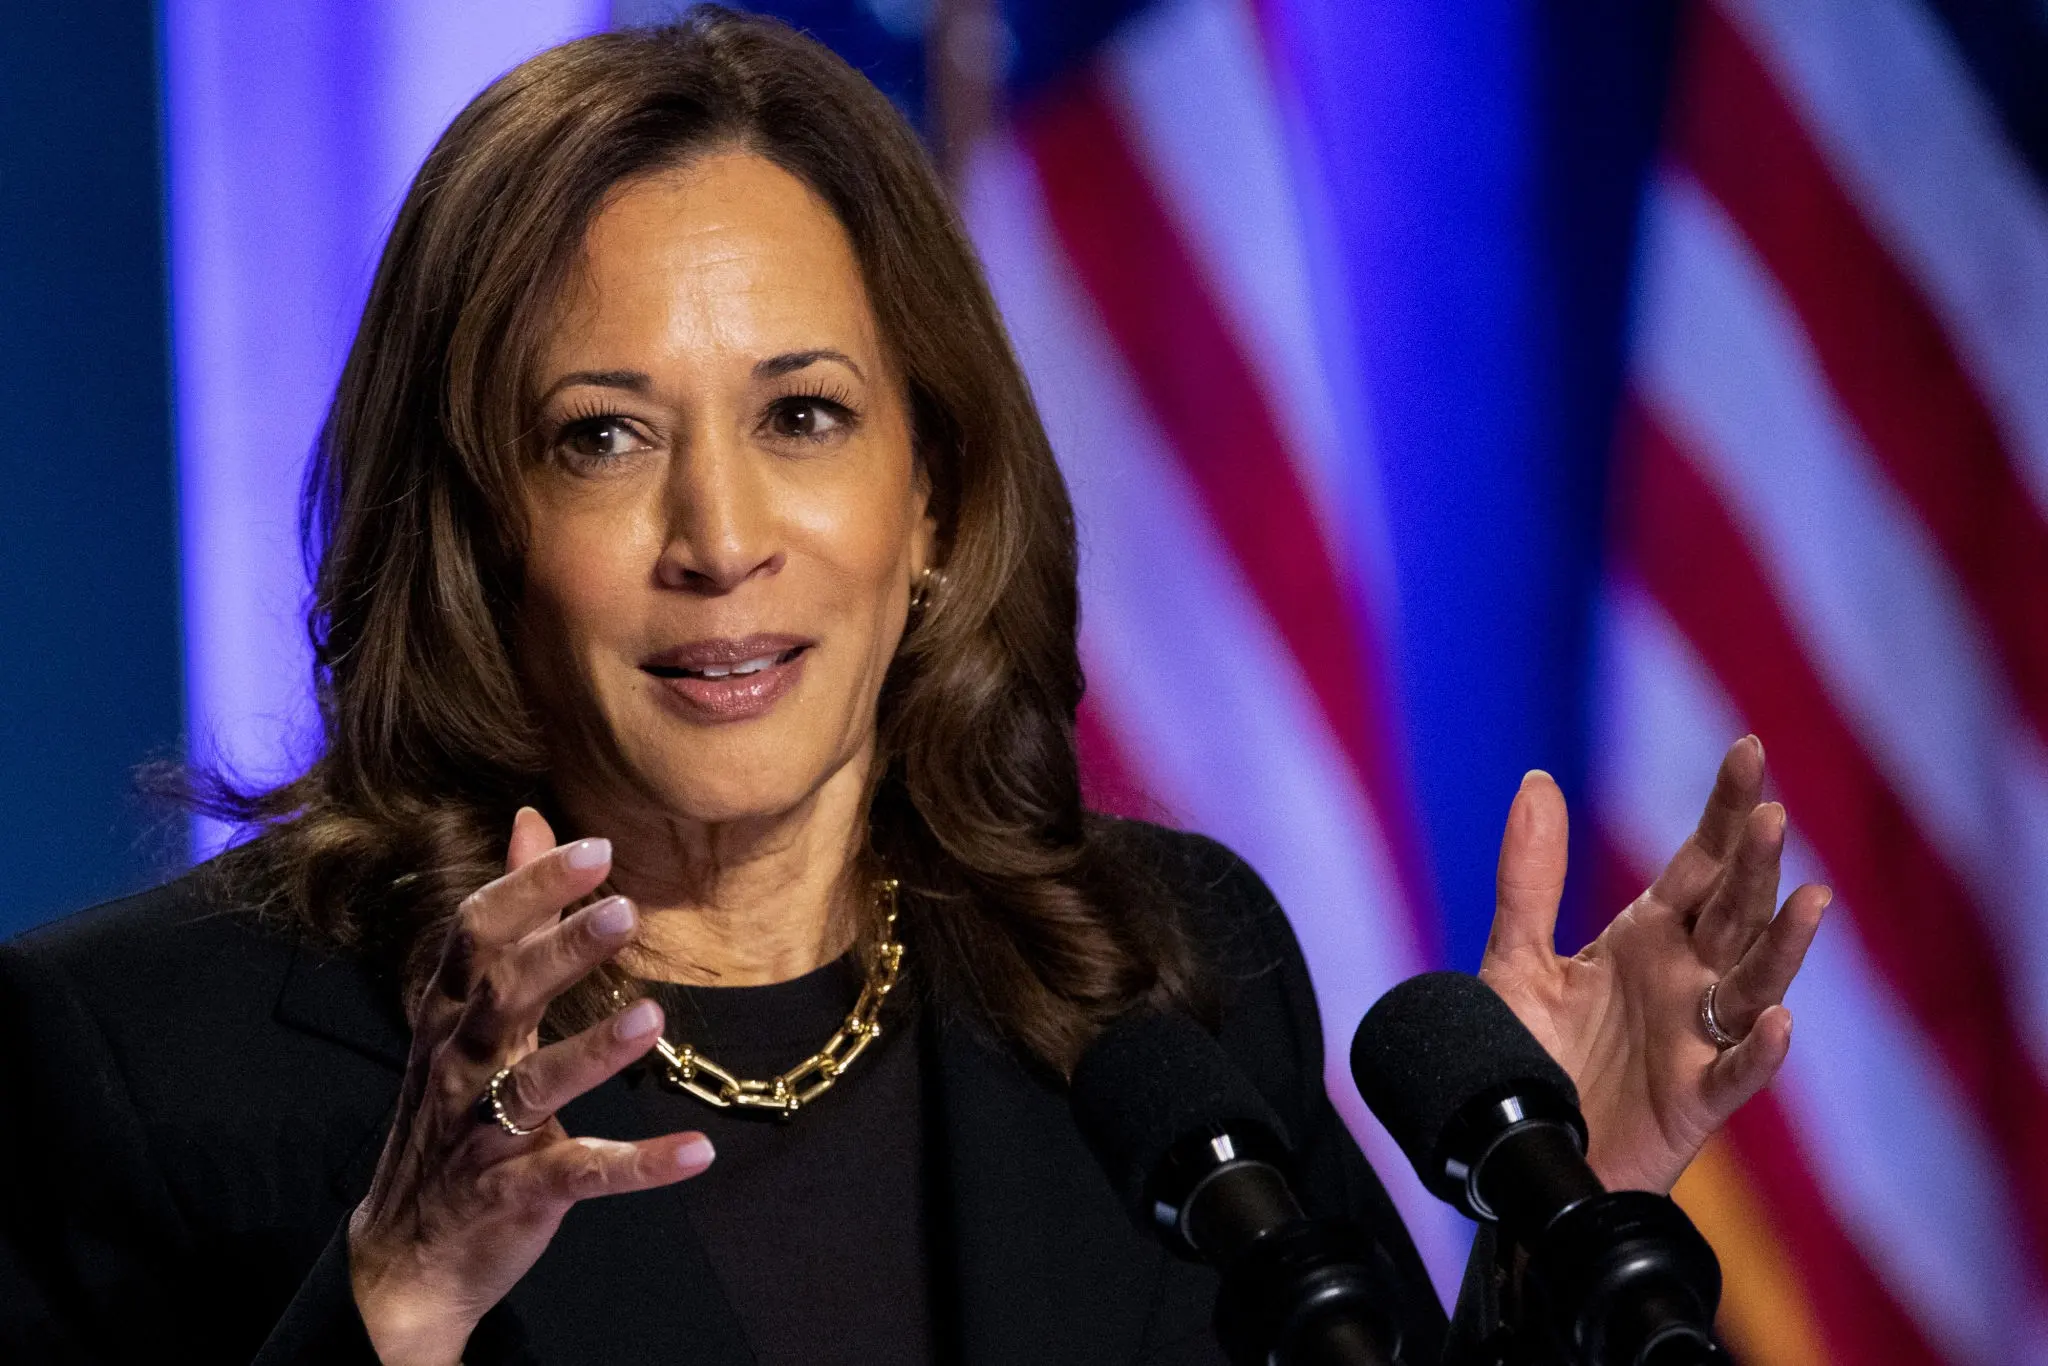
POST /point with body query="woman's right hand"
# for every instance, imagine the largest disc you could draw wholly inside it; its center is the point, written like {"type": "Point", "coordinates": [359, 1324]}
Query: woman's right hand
{"type": "Point", "coordinates": [459, 1208]}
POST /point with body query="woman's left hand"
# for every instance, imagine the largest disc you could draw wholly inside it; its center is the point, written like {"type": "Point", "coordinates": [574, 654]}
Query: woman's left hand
{"type": "Point", "coordinates": [1623, 1015]}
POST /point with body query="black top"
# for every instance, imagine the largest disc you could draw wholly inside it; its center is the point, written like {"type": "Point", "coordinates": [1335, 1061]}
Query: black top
{"type": "Point", "coordinates": [816, 1225]}
{"type": "Point", "coordinates": [191, 1102]}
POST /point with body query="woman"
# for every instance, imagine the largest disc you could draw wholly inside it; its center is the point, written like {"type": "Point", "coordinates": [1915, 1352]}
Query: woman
{"type": "Point", "coordinates": [695, 631]}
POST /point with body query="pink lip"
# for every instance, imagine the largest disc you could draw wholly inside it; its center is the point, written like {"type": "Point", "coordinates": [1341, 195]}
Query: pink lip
{"type": "Point", "coordinates": [733, 697]}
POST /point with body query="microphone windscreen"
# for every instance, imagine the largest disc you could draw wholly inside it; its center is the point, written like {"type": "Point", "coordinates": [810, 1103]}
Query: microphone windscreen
{"type": "Point", "coordinates": [1149, 1080]}
{"type": "Point", "coordinates": [1432, 1045]}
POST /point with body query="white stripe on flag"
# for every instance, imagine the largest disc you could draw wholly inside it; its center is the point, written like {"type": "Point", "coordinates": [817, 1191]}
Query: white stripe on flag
{"type": "Point", "coordinates": [1898, 1152]}
{"type": "Point", "coordinates": [1722, 360]}
{"type": "Point", "coordinates": [1888, 98]}
{"type": "Point", "coordinates": [1199, 111]}
{"type": "Point", "coordinates": [1205, 698]}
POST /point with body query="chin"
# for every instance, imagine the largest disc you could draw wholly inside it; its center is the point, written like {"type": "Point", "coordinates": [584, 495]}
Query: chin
{"type": "Point", "coordinates": [739, 782]}
{"type": "Point", "coordinates": [729, 799]}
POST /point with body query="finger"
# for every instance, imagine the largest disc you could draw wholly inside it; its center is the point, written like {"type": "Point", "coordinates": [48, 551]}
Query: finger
{"type": "Point", "coordinates": [545, 1081]}
{"type": "Point", "coordinates": [505, 1004]}
{"type": "Point", "coordinates": [1529, 880]}
{"type": "Point", "coordinates": [1697, 868]}
{"type": "Point", "coordinates": [502, 911]}
{"type": "Point", "coordinates": [1740, 907]}
{"type": "Point", "coordinates": [532, 836]}
{"type": "Point", "coordinates": [1743, 1070]}
{"type": "Point", "coordinates": [1737, 786]}
{"type": "Point", "coordinates": [1760, 980]}
{"type": "Point", "coordinates": [579, 1168]}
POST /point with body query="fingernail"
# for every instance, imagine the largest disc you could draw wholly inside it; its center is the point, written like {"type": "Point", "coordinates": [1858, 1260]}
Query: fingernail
{"type": "Point", "coordinates": [641, 1019]}
{"type": "Point", "coordinates": [613, 915]}
{"type": "Point", "coordinates": [1533, 774]}
{"type": "Point", "coordinates": [695, 1155]}
{"type": "Point", "coordinates": [585, 854]}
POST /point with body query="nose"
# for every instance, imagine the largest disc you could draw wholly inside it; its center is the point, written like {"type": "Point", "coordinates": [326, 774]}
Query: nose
{"type": "Point", "coordinates": [722, 525]}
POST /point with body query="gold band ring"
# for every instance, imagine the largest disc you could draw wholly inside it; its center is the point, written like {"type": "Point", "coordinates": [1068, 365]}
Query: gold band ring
{"type": "Point", "coordinates": [491, 1105]}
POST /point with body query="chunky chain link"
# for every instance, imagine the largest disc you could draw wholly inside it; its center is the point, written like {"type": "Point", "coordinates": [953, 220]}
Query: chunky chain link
{"type": "Point", "coordinates": [690, 1071]}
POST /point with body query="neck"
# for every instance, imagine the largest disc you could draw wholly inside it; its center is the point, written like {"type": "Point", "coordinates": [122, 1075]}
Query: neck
{"type": "Point", "coordinates": [743, 902]}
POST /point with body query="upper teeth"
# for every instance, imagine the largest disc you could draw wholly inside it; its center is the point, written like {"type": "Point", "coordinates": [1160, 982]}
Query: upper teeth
{"type": "Point", "coordinates": [726, 670]}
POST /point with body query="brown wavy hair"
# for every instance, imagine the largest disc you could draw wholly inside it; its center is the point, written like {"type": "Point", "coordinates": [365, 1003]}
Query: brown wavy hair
{"type": "Point", "coordinates": [1013, 905]}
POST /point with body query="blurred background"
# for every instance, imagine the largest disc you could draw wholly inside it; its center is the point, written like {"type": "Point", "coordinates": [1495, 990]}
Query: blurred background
{"type": "Point", "coordinates": [1446, 391]}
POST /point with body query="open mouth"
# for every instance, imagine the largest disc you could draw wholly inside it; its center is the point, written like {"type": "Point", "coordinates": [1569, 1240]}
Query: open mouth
{"type": "Point", "coordinates": [729, 679]}
{"type": "Point", "coordinates": [741, 669]}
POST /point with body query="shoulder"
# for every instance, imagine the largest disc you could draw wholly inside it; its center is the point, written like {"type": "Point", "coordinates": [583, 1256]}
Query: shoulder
{"type": "Point", "coordinates": [167, 978]}
{"type": "Point", "coordinates": [176, 945]}
{"type": "Point", "coordinates": [1219, 900]}
{"type": "Point", "coordinates": [1266, 1003]}
{"type": "Point", "coordinates": [224, 1039]}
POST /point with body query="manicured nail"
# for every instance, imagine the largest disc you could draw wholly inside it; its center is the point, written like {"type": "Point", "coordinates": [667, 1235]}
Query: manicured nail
{"type": "Point", "coordinates": [588, 854]}
{"type": "Point", "coordinates": [641, 1019]}
{"type": "Point", "coordinates": [695, 1155]}
{"type": "Point", "coordinates": [613, 915]}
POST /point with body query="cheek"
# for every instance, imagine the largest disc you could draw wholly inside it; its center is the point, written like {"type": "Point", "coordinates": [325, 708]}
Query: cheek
{"type": "Point", "coordinates": [860, 531]}
{"type": "Point", "coordinates": [581, 573]}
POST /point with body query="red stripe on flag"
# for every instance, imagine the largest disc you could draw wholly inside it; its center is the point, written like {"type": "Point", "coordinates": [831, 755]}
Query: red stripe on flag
{"type": "Point", "coordinates": [1861, 1319]}
{"type": "Point", "coordinates": [1885, 355]}
{"type": "Point", "coordinates": [1108, 781]}
{"type": "Point", "coordinates": [1921, 927]}
{"type": "Point", "coordinates": [1203, 396]}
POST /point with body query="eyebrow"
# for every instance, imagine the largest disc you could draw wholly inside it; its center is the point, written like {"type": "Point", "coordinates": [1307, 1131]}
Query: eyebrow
{"type": "Point", "coordinates": [632, 381]}
{"type": "Point", "coordinates": [791, 361]}
{"type": "Point", "coordinates": [637, 382]}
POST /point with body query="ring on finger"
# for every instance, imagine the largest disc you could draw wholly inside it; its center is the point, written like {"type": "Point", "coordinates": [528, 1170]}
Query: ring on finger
{"type": "Point", "coordinates": [490, 1107]}
{"type": "Point", "coordinates": [1716, 1035]}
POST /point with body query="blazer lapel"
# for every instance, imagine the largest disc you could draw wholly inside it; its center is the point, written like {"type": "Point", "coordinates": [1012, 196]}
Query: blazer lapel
{"type": "Point", "coordinates": [1049, 1270]}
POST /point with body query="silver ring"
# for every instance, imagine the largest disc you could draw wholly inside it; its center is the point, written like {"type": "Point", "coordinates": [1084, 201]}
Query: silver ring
{"type": "Point", "coordinates": [1716, 1035]}
{"type": "Point", "coordinates": [490, 1105]}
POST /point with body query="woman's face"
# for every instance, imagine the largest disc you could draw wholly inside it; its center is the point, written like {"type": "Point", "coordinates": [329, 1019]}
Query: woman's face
{"type": "Point", "coordinates": [727, 518]}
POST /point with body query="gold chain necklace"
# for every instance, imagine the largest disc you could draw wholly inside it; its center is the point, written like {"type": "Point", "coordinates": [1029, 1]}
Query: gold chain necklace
{"type": "Point", "coordinates": [691, 1072]}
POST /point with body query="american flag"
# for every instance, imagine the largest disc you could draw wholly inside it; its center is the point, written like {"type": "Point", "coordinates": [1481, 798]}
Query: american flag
{"type": "Point", "coordinates": [1828, 528]}
{"type": "Point", "coordinates": [1831, 527]}
{"type": "Point", "coordinates": [1147, 220]}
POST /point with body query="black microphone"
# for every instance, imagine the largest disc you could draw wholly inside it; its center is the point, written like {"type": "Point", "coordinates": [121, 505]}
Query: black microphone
{"type": "Point", "coordinates": [1198, 1157]}
{"type": "Point", "coordinates": [1492, 1124]}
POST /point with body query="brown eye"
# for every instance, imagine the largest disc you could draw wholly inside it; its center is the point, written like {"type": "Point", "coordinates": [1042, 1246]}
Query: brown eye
{"type": "Point", "coordinates": [805, 418]}
{"type": "Point", "coordinates": [595, 440]}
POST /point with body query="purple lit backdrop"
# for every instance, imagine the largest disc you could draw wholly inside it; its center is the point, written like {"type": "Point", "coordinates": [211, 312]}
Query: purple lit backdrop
{"type": "Point", "coordinates": [293, 129]}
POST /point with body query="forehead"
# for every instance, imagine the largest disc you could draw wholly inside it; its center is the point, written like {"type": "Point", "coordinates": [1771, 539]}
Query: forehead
{"type": "Point", "coordinates": [728, 257]}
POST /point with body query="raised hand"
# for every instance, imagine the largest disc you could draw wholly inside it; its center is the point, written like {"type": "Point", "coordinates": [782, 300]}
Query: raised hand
{"type": "Point", "coordinates": [461, 1207]}
{"type": "Point", "coordinates": [1623, 1016]}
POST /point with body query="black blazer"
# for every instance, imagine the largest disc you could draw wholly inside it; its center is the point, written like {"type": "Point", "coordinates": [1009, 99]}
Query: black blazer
{"type": "Point", "coordinates": [191, 1103]}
